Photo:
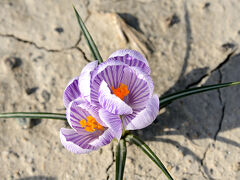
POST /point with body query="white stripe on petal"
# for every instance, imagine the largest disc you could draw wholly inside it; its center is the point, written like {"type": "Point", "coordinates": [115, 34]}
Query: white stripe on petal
{"type": "Point", "coordinates": [75, 114]}
{"type": "Point", "coordinates": [111, 102]}
{"type": "Point", "coordinates": [71, 92]}
{"type": "Point", "coordinates": [104, 139]}
{"type": "Point", "coordinates": [66, 135]}
{"type": "Point", "coordinates": [145, 117]}
{"type": "Point", "coordinates": [111, 72]}
{"type": "Point", "coordinates": [134, 54]}
{"type": "Point", "coordinates": [84, 79]}
{"type": "Point", "coordinates": [139, 89]}
{"type": "Point", "coordinates": [112, 121]}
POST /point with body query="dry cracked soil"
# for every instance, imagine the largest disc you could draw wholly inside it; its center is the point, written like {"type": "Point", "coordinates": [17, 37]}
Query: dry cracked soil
{"type": "Point", "coordinates": [187, 43]}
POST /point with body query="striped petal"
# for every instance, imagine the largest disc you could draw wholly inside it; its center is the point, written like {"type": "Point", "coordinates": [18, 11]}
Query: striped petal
{"type": "Point", "coordinates": [104, 139]}
{"type": "Point", "coordinates": [111, 102]}
{"type": "Point", "coordinates": [111, 72]}
{"type": "Point", "coordinates": [80, 109]}
{"type": "Point", "coordinates": [145, 117]}
{"type": "Point", "coordinates": [71, 92]}
{"type": "Point", "coordinates": [75, 142]}
{"type": "Point", "coordinates": [129, 60]}
{"type": "Point", "coordinates": [139, 86]}
{"type": "Point", "coordinates": [84, 79]}
{"type": "Point", "coordinates": [132, 58]}
{"type": "Point", "coordinates": [112, 121]}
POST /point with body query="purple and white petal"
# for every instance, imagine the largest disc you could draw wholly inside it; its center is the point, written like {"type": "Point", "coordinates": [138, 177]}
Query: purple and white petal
{"type": "Point", "coordinates": [92, 110]}
{"type": "Point", "coordinates": [85, 79]}
{"type": "Point", "coordinates": [104, 139]}
{"type": "Point", "coordinates": [133, 62]}
{"type": "Point", "coordinates": [75, 114]}
{"type": "Point", "coordinates": [139, 89]}
{"type": "Point", "coordinates": [134, 54]}
{"type": "Point", "coordinates": [105, 64]}
{"type": "Point", "coordinates": [112, 121]}
{"type": "Point", "coordinates": [142, 75]}
{"type": "Point", "coordinates": [145, 117]}
{"type": "Point", "coordinates": [111, 102]}
{"type": "Point", "coordinates": [76, 143]}
{"type": "Point", "coordinates": [111, 72]}
{"type": "Point", "coordinates": [71, 92]}
{"type": "Point", "coordinates": [80, 109]}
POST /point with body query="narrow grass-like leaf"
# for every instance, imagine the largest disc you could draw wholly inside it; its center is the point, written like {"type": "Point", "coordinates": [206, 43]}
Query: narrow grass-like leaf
{"type": "Point", "coordinates": [135, 140]}
{"type": "Point", "coordinates": [93, 48]}
{"type": "Point", "coordinates": [34, 115]}
{"type": "Point", "coordinates": [164, 101]}
{"type": "Point", "coordinates": [120, 159]}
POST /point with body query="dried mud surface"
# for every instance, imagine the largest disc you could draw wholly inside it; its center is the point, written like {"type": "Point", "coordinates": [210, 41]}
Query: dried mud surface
{"type": "Point", "coordinates": [187, 44]}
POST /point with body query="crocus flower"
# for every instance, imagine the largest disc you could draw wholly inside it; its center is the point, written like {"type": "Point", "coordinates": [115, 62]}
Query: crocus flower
{"type": "Point", "coordinates": [88, 131]}
{"type": "Point", "coordinates": [106, 97]}
{"type": "Point", "coordinates": [122, 86]}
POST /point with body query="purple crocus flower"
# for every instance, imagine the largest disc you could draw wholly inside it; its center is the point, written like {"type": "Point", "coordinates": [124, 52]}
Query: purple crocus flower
{"type": "Point", "coordinates": [88, 131]}
{"type": "Point", "coordinates": [122, 86]}
{"type": "Point", "coordinates": [106, 97]}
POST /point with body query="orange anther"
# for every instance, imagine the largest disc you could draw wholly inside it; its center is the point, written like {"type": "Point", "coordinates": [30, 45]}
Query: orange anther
{"type": "Point", "coordinates": [83, 123]}
{"type": "Point", "coordinates": [121, 92]}
{"type": "Point", "coordinates": [91, 124]}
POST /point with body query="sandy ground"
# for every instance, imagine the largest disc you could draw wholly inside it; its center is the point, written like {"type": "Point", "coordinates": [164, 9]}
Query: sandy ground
{"type": "Point", "coordinates": [187, 44]}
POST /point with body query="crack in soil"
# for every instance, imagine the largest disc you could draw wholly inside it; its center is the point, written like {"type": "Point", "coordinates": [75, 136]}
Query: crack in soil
{"type": "Point", "coordinates": [83, 53]}
{"type": "Point", "coordinates": [111, 164]}
{"type": "Point", "coordinates": [29, 42]}
{"type": "Point", "coordinates": [46, 49]}
{"type": "Point", "coordinates": [75, 46]}
{"type": "Point", "coordinates": [204, 169]}
{"type": "Point", "coordinates": [223, 108]}
{"type": "Point", "coordinates": [225, 61]}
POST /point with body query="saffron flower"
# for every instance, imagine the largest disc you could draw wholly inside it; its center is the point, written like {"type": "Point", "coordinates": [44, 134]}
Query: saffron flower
{"type": "Point", "coordinates": [107, 98]}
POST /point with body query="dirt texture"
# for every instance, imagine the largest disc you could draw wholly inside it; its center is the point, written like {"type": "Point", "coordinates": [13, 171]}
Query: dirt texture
{"type": "Point", "coordinates": [187, 44]}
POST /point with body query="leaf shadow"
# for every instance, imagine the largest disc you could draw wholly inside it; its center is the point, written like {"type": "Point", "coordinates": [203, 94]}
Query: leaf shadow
{"type": "Point", "coordinates": [199, 116]}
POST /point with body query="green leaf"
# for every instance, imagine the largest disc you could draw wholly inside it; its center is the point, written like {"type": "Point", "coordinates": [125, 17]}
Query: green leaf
{"type": "Point", "coordinates": [93, 48]}
{"type": "Point", "coordinates": [120, 159]}
{"type": "Point", "coordinates": [34, 115]}
{"type": "Point", "coordinates": [148, 152]}
{"type": "Point", "coordinates": [164, 101]}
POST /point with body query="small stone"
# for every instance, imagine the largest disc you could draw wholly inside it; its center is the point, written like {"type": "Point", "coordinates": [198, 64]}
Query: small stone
{"type": "Point", "coordinates": [30, 91]}
{"type": "Point", "coordinates": [13, 62]}
{"type": "Point", "coordinates": [173, 20]}
{"type": "Point", "coordinates": [206, 5]}
{"type": "Point", "coordinates": [228, 46]}
{"type": "Point", "coordinates": [59, 30]}
{"type": "Point", "coordinates": [211, 171]}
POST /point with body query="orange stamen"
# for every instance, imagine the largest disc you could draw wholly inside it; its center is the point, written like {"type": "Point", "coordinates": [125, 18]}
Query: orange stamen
{"type": "Point", "coordinates": [121, 92]}
{"type": "Point", "coordinates": [91, 124]}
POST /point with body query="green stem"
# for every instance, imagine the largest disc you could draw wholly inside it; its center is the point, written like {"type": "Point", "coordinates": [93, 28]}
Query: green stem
{"type": "Point", "coordinates": [121, 154]}
{"type": "Point", "coordinates": [34, 115]}
{"type": "Point", "coordinates": [164, 101]}
{"type": "Point", "coordinates": [137, 141]}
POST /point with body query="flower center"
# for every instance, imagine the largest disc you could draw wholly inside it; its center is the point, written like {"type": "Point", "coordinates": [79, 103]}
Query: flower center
{"type": "Point", "coordinates": [120, 92]}
{"type": "Point", "coordinates": [91, 124]}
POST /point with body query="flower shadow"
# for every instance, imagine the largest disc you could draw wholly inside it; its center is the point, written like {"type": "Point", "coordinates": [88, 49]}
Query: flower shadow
{"type": "Point", "coordinates": [200, 116]}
